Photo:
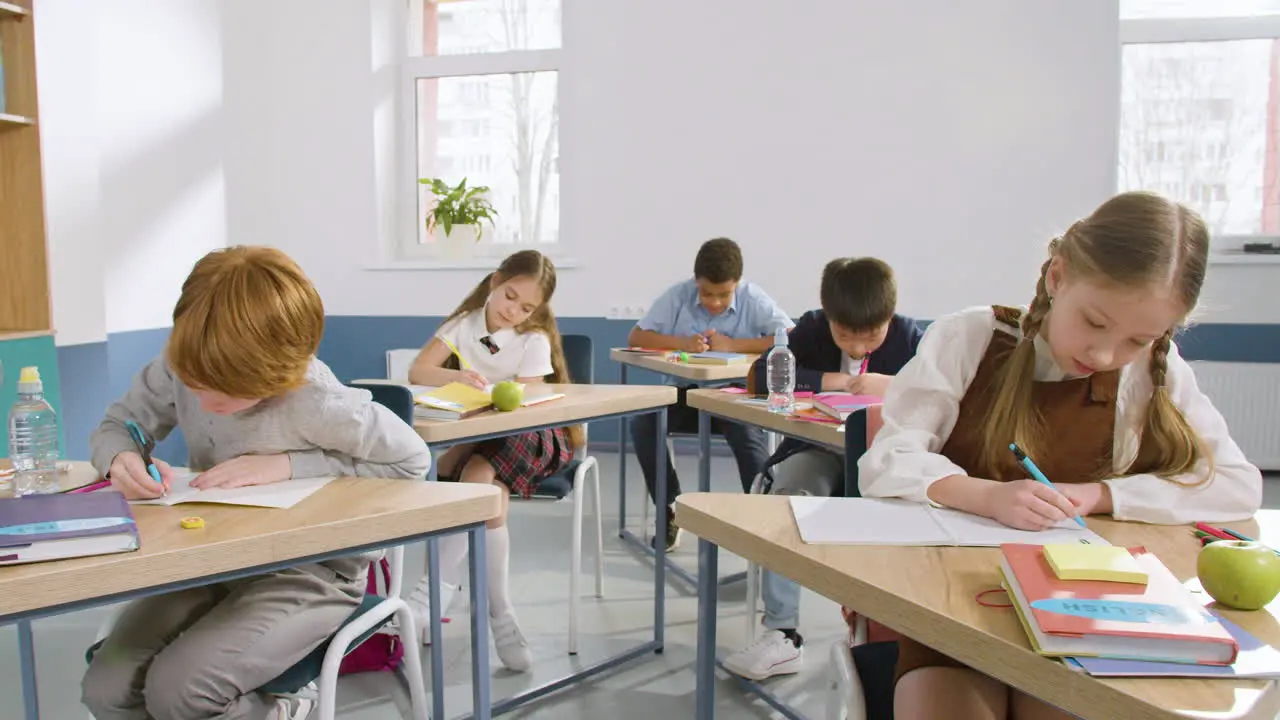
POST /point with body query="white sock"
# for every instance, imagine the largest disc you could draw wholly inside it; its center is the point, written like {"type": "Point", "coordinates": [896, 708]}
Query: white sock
{"type": "Point", "coordinates": [453, 551]}
{"type": "Point", "coordinates": [497, 542]}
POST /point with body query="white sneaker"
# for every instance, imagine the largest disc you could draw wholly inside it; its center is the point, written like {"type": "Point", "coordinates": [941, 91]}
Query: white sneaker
{"type": "Point", "coordinates": [419, 603]}
{"type": "Point", "coordinates": [773, 654]}
{"type": "Point", "coordinates": [296, 706]}
{"type": "Point", "coordinates": [513, 649]}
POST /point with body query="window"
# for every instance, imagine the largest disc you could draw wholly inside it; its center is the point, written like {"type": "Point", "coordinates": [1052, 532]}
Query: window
{"type": "Point", "coordinates": [1200, 110]}
{"type": "Point", "coordinates": [482, 86]}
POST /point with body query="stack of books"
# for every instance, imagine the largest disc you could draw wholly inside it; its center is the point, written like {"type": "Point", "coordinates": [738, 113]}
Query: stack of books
{"type": "Point", "coordinates": [1088, 603]}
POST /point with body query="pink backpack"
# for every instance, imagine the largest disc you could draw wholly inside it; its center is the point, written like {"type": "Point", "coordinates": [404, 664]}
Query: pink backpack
{"type": "Point", "coordinates": [383, 651]}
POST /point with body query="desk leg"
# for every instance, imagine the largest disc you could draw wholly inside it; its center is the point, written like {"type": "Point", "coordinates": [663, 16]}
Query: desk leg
{"type": "Point", "coordinates": [479, 626]}
{"type": "Point", "coordinates": [660, 533]}
{"type": "Point", "coordinates": [705, 693]}
{"type": "Point", "coordinates": [437, 634]}
{"type": "Point", "coordinates": [433, 622]}
{"type": "Point", "coordinates": [704, 452]}
{"type": "Point", "coordinates": [622, 460]}
{"type": "Point", "coordinates": [27, 656]}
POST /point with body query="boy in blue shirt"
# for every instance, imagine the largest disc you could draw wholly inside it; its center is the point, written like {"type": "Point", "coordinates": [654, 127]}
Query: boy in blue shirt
{"type": "Point", "coordinates": [715, 310]}
{"type": "Point", "coordinates": [854, 344]}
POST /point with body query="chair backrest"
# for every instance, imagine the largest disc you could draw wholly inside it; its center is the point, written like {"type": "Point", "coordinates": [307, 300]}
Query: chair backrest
{"type": "Point", "coordinates": [399, 362]}
{"type": "Point", "coordinates": [859, 430]}
{"type": "Point", "coordinates": [579, 358]}
{"type": "Point", "coordinates": [397, 398]}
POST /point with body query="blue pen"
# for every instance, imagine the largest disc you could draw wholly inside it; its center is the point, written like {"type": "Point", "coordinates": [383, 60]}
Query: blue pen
{"type": "Point", "coordinates": [145, 446]}
{"type": "Point", "coordinates": [1035, 473]}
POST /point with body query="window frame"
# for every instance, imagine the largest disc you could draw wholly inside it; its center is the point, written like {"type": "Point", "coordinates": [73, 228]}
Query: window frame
{"type": "Point", "coordinates": [1227, 249]}
{"type": "Point", "coordinates": [407, 250]}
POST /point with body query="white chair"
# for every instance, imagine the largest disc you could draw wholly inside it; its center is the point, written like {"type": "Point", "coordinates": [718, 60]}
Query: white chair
{"type": "Point", "coordinates": [581, 473]}
{"type": "Point", "coordinates": [377, 611]}
{"type": "Point", "coordinates": [846, 700]}
{"type": "Point", "coordinates": [399, 362]}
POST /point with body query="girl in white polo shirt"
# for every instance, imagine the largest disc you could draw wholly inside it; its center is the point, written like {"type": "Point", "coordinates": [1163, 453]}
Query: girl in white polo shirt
{"type": "Point", "coordinates": [506, 331]}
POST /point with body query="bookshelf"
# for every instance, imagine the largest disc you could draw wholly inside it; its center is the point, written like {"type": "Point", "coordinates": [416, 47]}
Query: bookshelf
{"type": "Point", "coordinates": [25, 305]}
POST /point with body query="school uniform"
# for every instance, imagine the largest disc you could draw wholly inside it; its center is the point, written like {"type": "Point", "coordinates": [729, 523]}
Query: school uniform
{"type": "Point", "coordinates": [751, 314]}
{"type": "Point", "coordinates": [520, 461]}
{"type": "Point", "coordinates": [801, 468]}
{"type": "Point", "coordinates": [202, 652]}
{"type": "Point", "coordinates": [937, 407]}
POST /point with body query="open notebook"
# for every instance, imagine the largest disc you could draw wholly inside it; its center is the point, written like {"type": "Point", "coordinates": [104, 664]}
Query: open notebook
{"type": "Point", "coordinates": [882, 521]}
{"type": "Point", "coordinates": [284, 494]}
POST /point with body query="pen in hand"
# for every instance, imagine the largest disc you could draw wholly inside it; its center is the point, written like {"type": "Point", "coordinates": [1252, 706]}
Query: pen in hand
{"type": "Point", "coordinates": [145, 446]}
{"type": "Point", "coordinates": [1036, 475]}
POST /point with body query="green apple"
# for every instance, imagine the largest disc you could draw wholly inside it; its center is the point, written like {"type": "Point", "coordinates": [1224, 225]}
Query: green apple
{"type": "Point", "coordinates": [1240, 574]}
{"type": "Point", "coordinates": [508, 395]}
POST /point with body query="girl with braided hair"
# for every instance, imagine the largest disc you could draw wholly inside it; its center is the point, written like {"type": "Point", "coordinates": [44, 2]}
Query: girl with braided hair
{"type": "Point", "coordinates": [1088, 381]}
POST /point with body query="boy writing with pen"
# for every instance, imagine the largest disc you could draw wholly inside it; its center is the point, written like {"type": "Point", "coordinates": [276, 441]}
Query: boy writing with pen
{"type": "Point", "coordinates": [1087, 382]}
{"type": "Point", "coordinates": [240, 379]}
{"type": "Point", "coordinates": [714, 310]}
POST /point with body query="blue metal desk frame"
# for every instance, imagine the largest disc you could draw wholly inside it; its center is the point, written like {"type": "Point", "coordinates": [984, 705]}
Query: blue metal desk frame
{"type": "Point", "coordinates": [704, 485]}
{"type": "Point", "coordinates": [480, 615]}
{"type": "Point", "coordinates": [708, 561]}
{"type": "Point", "coordinates": [479, 599]}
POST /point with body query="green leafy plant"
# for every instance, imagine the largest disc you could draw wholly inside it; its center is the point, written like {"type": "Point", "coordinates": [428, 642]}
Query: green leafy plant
{"type": "Point", "coordinates": [458, 205]}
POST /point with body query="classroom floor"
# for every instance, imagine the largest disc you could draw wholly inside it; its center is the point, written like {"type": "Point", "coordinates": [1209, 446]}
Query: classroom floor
{"type": "Point", "coordinates": [660, 686]}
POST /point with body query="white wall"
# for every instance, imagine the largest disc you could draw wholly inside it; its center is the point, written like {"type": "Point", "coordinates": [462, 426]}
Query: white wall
{"type": "Point", "coordinates": [803, 132]}
{"type": "Point", "coordinates": [132, 139]}
{"type": "Point", "coordinates": [951, 141]}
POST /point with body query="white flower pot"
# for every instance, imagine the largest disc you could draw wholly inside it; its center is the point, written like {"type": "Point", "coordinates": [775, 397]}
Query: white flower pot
{"type": "Point", "coordinates": [460, 244]}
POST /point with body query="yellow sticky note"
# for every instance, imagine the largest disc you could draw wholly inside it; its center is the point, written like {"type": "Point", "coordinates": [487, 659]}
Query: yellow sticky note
{"type": "Point", "coordinates": [1094, 562]}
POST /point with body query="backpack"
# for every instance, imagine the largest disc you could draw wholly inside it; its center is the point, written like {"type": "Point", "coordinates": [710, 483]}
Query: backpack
{"type": "Point", "coordinates": [383, 650]}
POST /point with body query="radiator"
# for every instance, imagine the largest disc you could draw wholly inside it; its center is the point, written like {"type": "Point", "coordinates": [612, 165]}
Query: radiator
{"type": "Point", "coordinates": [1248, 396]}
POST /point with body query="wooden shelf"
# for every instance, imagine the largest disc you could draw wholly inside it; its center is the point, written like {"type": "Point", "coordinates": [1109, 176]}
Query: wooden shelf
{"type": "Point", "coordinates": [22, 334]}
{"type": "Point", "coordinates": [24, 276]}
{"type": "Point", "coordinates": [9, 119]}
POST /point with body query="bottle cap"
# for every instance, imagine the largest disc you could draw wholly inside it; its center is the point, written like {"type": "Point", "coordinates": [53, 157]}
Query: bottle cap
{"type": "Point", "coordinates": [29, 380]}
{"type": "Point", "coordinates": [780, 337]}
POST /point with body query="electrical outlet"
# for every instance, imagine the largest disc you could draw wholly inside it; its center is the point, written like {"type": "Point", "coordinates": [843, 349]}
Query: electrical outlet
{"type": "Point", "coordinates": [615, 312]}
{"type": "Point", "coordinates": [635, 312]}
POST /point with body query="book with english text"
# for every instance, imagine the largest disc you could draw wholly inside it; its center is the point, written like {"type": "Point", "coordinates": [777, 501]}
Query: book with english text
{"type": "Point", "coordinates": [36, 528]}
{"type": "Point", "coordinates": [1160, 621]}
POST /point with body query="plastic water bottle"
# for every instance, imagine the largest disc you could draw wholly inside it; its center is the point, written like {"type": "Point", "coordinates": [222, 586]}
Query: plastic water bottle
{"type": "Point", "coordinates": [33, 438]}
{"type": "Point", "coordinates": [781, 366]}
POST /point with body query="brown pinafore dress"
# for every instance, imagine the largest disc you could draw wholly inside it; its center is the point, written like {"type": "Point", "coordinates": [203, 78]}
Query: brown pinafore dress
{"type": "Point", "coordinates": [1079, 414]}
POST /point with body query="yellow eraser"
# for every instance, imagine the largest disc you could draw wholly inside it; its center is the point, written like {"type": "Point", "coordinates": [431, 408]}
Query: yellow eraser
{"type": "Point", "coordinates": [191, 523]}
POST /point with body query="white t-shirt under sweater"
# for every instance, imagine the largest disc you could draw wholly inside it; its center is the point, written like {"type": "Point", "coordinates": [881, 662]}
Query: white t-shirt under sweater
{"type": "Point", "coordinates": [517, 355]}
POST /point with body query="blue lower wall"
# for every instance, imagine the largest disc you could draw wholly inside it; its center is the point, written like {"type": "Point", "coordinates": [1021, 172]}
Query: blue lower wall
{"type": "Point", "coordinates": [94, 374]}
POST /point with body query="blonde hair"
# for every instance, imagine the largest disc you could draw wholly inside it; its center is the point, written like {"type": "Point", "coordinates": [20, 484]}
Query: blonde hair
{"type": "Point", "coordinates": [1134, 240]}
{"type": "Point", "coordinates": [247, 324]}
{"type": "Point", "coordinates": [535, 265]}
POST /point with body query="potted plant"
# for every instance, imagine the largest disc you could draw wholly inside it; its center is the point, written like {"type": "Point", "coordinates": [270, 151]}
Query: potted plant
{"type": "Point", "coordinates": [457, 219]}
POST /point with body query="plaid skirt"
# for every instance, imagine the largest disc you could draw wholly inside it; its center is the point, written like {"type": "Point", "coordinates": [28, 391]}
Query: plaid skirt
{"type": "Point", "coordinates": [522, 461]}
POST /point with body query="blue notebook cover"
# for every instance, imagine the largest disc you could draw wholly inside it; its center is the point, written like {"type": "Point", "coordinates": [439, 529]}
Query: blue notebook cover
{"type": "Point", "coordinates": [1256, 660]}
{"type": "Point", "coordinates": [35, 519]}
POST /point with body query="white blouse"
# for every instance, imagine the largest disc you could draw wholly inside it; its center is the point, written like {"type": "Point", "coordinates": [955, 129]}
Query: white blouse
{"type": "Point", "coordinates": [923, 402]}
{"type": "Point", "coordinates": [518, 355]}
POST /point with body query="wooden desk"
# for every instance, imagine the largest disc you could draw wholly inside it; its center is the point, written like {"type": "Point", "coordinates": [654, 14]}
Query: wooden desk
{"type": "Point", "coordinates": [727, 405]}
{"type": "Point", "coordinates": [581, 403]}
{"type": "Point", "coordinates": [346, 516]}
{"type": "Point", "coordinates": [928, 594]}
{"type": "Point", "coordinates": [694, 373]}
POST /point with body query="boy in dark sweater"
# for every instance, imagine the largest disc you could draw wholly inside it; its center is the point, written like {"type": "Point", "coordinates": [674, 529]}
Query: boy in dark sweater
{"type": "Point", "coordinates": [854, 344]}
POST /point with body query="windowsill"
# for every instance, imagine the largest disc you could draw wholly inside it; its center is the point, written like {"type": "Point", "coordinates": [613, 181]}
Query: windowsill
{"type": "Point", "coordinates": [1238, 257]}
{"type": "Point", "coordinates": [478, 263]}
